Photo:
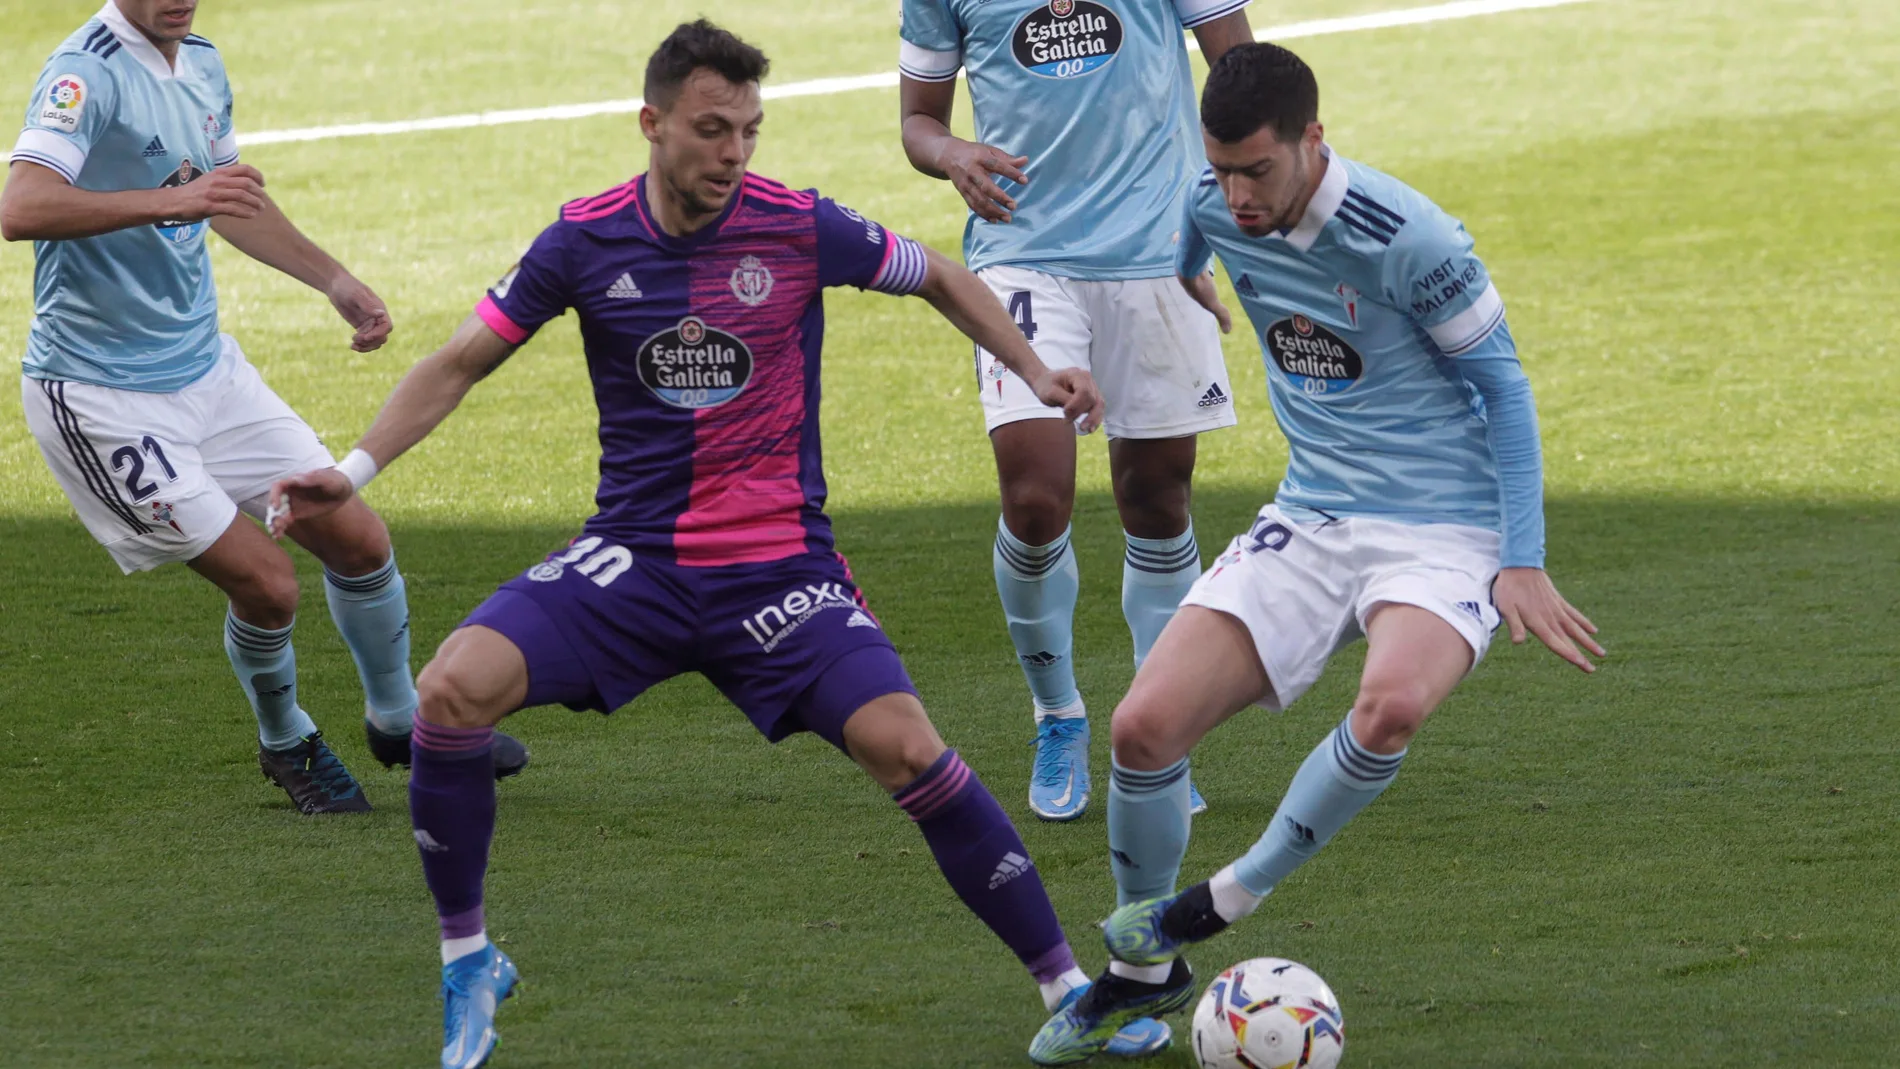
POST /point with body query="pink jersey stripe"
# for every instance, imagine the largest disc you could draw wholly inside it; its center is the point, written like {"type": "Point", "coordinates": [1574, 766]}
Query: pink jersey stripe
{"type": "Point", "coordinates": [586, 202]}
{"type": "Point", "coordinates": [770, 198]}
{"type": "Point", "coordinates": [743, 515]}
{"type": "Point", "coordinates": [778, 193]}
{"type": "Point", "coordinates": [499, 322]}
{"type": "Point", "coordinates": [602, 210]}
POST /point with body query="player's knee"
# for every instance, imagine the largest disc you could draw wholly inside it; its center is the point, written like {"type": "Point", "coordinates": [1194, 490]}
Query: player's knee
{"type": "Point", "coordinates": [1140, 736]}
{"type": "Point", "coordinates": [1036, 512]}
{"type": "Point", "coordinates": [1388, 713]}
{"type": "Point", "coordinates": [444, 696]}
{"type": "Point", "coordinates": [268, 597]}
{"type": "Point", "coordinates": [358, 547]}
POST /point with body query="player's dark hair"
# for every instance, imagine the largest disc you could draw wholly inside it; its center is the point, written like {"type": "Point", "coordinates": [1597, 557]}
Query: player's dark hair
{"type": "Point", "coordinates": [1256, 85]}
{"type": "Point", "coordinates": [693, 45]}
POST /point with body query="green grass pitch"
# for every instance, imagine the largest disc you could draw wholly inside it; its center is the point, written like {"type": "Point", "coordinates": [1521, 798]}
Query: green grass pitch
{"type": "Point", "coordinates": [1687, 860]}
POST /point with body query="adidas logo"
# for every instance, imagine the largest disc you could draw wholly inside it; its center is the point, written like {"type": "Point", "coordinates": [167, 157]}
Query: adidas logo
{"type": "Point", "coordinates": [625, 289]}
{"type": "Point", "coordinates": [156, 148]}
{"type": "Point", "coordinates": [1244, 287]}
{"type": "Point", "coordinates": [859, 618]}
{"type": "Point", "coordinates": [1213, 397]}
{"type": "Point", "coordinates": [1472, 608]}
{"type": "Point", "coordinates": [1040, 660]}
{"type": "Point", "coordinates": [1012, 866]}
{"type": "Point", "coordinates": [427, 843]}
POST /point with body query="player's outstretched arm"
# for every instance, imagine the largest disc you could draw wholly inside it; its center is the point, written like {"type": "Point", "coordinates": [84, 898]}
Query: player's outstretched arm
{"type": "Point", "coordinates": [419, 403]}
{"type": "Point", "coordinates": [968, 304]}
{"type": "Point", "coordinates": [269, 237]}
{"type": "Point", "coordinates": [968, 165]}
{"type": "Point", "coordinates": [40, 205]}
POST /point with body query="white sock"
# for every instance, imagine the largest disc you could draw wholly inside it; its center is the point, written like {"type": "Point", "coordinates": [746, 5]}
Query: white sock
{"type": "Point", "coordinates": [1058, 989]}
{"type": "Point", "coordinates": [1147, 974]}
{"type": "Point", "coordinates": [463, 947]}
{"type": "Point", "coordinates": [1231, 900]}
{"type": "Point", "coordinates": [1074, 709]}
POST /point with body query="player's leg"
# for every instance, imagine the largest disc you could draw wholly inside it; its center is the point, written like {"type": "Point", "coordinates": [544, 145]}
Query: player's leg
{"type": "Point", "coordinates": [1032, 560]}
{"type": "Point", "coordinates": [478, 677]}
{"type": "Point", "coordinates": [1153, 480]}
{"type": "Point", "coordinates": [1157, 356]}
{"type": "Point", "coordinates": [1414, 658]}
{"type": "Point", "coordinates": [261, 583]}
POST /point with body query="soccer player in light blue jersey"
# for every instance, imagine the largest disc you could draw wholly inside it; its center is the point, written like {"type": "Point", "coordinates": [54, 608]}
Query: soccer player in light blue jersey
{"type": "Point", "coordinates": [155, 425]}
{"type": "Point", "coordinates": [1085, 146]}
{"type": "Point", "coordinates": [1411, 514]}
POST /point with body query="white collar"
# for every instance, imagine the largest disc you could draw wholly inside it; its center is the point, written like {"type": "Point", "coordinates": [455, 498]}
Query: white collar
{"type": "Point", "coordinates": [1324, 205]}
{"type": "Point", "coordinates": [138, 46]}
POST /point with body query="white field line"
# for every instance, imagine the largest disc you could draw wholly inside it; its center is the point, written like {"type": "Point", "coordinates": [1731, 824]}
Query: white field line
{"type": "Point", "coordinates": [1378, 20]}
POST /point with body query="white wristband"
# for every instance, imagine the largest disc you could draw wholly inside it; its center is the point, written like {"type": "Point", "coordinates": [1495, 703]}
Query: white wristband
{"type": "Point", "coordinates": [359, 467]}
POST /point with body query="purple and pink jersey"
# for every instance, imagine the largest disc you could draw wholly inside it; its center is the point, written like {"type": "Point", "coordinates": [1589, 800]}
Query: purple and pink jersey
{"type": "Point", "coordinates": [704, 355]}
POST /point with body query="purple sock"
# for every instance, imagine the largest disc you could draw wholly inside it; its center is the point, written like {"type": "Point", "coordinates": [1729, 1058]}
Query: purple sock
{"type": "Point", "coordinates": [452, 805]}
{"type": "Point", "coordinates": [986, 863]}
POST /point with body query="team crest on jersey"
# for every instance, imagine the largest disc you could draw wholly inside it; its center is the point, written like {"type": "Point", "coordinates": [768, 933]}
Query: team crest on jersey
{"type": "Point", "coordinates": [178, 230]}
{"type": "Point", "coordinates": [1067, 38]}
{"type": "Point", "coordinates": [751, 282]}
{"type": "Point", "coordinates": [162, 513]}
{"type": "Point", "coordinates": [1350, 297]}
{"type": "Point", "coordinates": [692, 365]}
{"type": "Point", "coordinates": [1319, 362]}
{"type": "Point", "coordinates": [211, 127]}
{"type": "Point", "coordinates": [65, 103]}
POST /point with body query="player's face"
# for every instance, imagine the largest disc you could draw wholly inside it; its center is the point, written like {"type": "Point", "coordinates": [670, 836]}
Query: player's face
{"type": "Point", "coordinates": [1267, 181]}
{"type": "Point", "coordinates": [161, 20]}
{"type": "Point", "coordinates": [701, 144]}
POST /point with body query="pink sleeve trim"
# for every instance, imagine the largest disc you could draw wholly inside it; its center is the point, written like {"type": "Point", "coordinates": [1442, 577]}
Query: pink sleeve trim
{"type": "Point", "coordinates": [499, 322]}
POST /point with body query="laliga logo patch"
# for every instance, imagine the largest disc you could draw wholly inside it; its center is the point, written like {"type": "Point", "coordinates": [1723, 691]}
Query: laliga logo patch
{"type": "Point", "coordinates": [751, 282]}
{"type": "Point", "coordinates": [692, 365]}
{"type": "Point", "coordinates": [65, 102]}
{"type": "Point", "coordinates": [1067, 39]}
{"type": "Point", "coordinates": [1318, 362]}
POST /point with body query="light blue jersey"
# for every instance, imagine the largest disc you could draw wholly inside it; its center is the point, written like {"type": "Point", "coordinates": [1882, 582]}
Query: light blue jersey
{"type": "Point", "coordinates": [134, 309]}
{"type": "Point", "coordinates": [1098, 95]}
{"type": "Point", "coordinates": [1389, 364]}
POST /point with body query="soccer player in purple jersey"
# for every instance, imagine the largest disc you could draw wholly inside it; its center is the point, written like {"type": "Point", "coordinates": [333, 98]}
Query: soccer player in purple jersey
{"type": "Point", "coordinates": [699, 293]}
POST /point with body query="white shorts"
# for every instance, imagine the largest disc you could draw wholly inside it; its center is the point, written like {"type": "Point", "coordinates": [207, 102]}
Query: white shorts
{"type": "Point", "coordinates": [157, 477]}
{"type": "Point", "coordinates": [1153, 351]}
{"type": "Point", "coordinates": [1305, 589]}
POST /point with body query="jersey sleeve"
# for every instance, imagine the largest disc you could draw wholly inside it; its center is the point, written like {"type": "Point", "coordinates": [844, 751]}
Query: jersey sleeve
{"type": "Point", "coordinates": [930, 48]}
{"type": "Point", "coordinates": [854, 251]}
{"type": "Point", "coordinates": [224, 148]}
{"type": "Point", "coordinates": [1192, 253]}
{"type": "Point", "coordinates": [71, 108]}
{"type": "Point", "coordinates": [1436, 275]}
{"type": "Point", "coordinates": [1200, 12]}
{"type": "Point", "coordinates": [533, 291]}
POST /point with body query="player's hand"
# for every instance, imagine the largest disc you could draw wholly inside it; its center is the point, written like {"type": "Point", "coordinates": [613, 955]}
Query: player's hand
{"type": "Point", "coordinates": [306, 496]}
{"type": "Point", "coordinates": [236, 191]}
{"type": "Point", "coordinates": [1075, 393]}
{"type": "Point", "coordinates": [969, 166]}
{"type": "Point", "coordinates": [1529, 601]}
{"type": "Point", "coordinates": [1201, 288]}
{"type": "Point", "coordinates": [363, 310]}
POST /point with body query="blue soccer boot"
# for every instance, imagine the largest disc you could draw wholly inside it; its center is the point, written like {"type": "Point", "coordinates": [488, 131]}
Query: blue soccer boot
{"type": "Point", "coordinates": [473, 987]}
{"type": "Point", "coordinates": [1059, 780]}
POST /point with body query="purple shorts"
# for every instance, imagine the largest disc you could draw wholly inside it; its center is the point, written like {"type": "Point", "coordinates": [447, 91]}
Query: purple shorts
{"type": "Point", "coordinates": [790, 642]}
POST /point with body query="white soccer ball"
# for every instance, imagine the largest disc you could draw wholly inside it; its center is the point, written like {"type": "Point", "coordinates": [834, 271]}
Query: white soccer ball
{"type": "Point", "coordinates": [1269, 1013]}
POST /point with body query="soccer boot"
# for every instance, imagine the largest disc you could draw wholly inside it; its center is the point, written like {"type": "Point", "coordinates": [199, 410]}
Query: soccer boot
{"type": "Point", "coordinates": [1059, 780]}
{"type": "Point", "coordinates": [1153, 932]}
{"type": "Point", "coordinates": [1137, 1039]}
{"type": "Point", "coordinates": [473, 987]}
{"type": "Point", "coordinates": [1092, 1022]}
{"type": "Point", "coordinates": [511, 754]}
{"type": "Point", "coordinates": [1196, 804]}
{"type": "Point", "coordinates": [313, 777]}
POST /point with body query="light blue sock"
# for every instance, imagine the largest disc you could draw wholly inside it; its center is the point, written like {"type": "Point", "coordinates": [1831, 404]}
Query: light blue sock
{"type": "Point", "coordinates": [1147, 830]}
{"type": "Point", "coordinates": [1337, 780]}
{"type": "Point", "coordinates": [1038, 585]}
{"type": "Point", "coordinates": [372, 612]}
{"type": "Point", "coordinates": [266, 667]}
{"type": "Point", "coordinates": [1156, 575]}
